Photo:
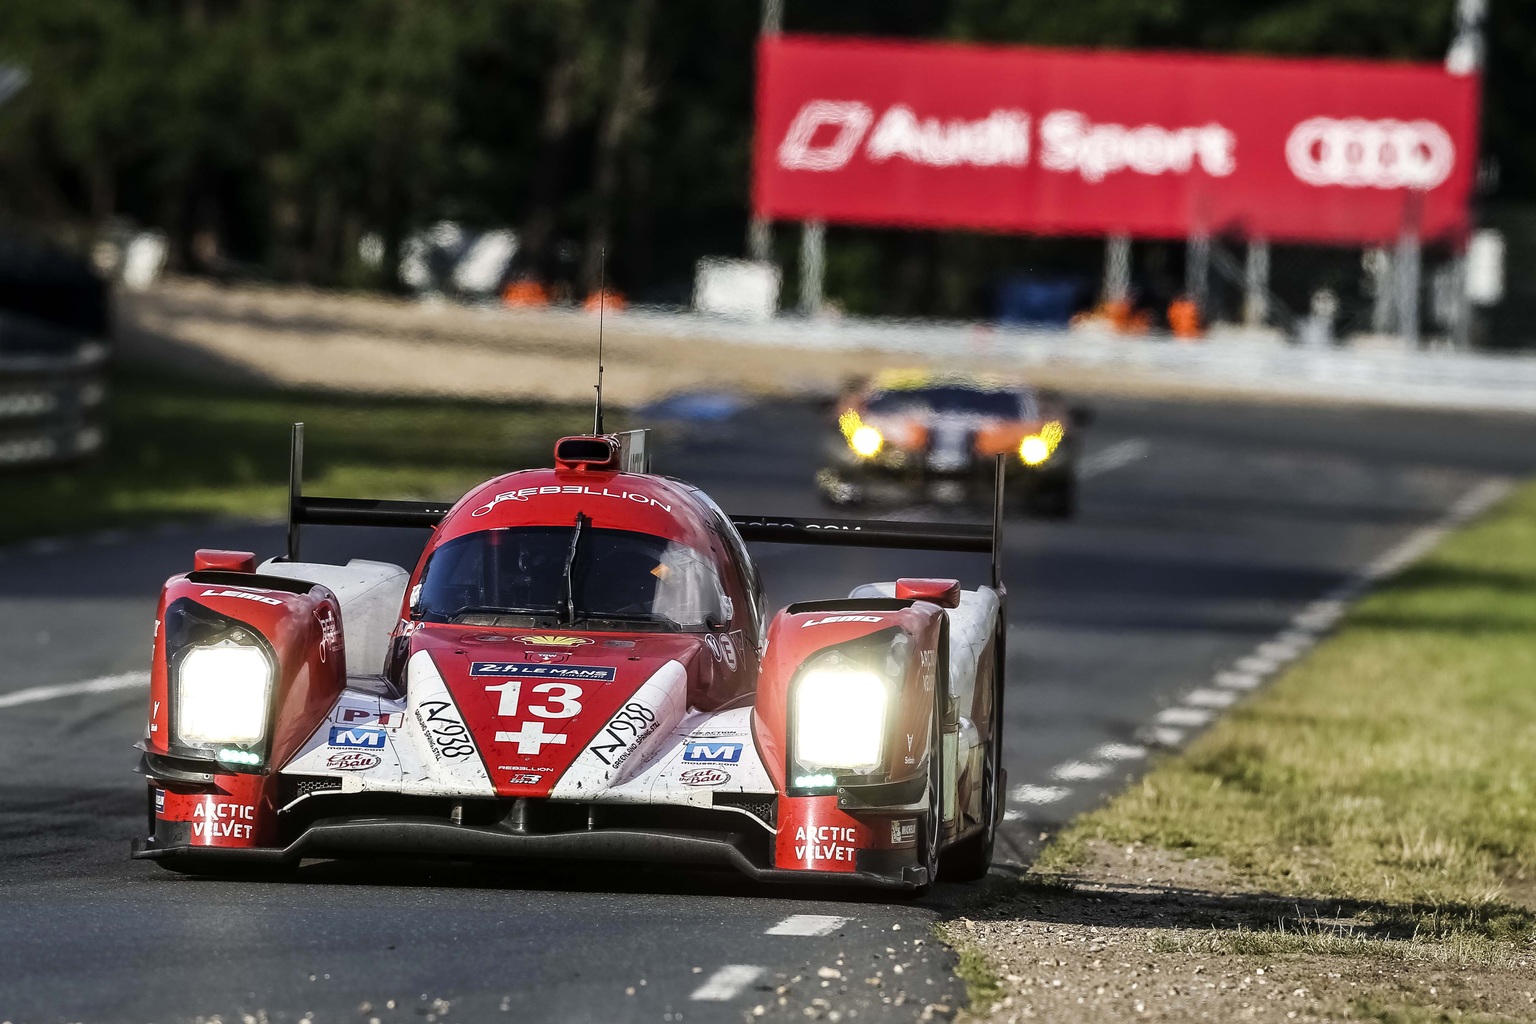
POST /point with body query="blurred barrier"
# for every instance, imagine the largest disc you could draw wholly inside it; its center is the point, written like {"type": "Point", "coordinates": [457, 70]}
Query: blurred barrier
{"type": "Point", "coordinates": [52, 393]}
{"type": "Point", "coordinates": [1256, 362]}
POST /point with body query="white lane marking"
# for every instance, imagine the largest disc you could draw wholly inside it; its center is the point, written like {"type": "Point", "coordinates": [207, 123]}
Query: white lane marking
{"type": "Point", "coordinates": [1079, 771]}
{"type": "Point", "coordinates": [1113, 457]}
{"type": "Point", "coordinates": [1238, 680]}
{"type": "Point", "coordinates": [1119, 752]}
{"type": "Point", "coordinates": [1187, 717]}
{"type": "Point", "coordinates": [1012, 815]}
{"type": "Point", "coordinates": [807, 924]}
{"type": "Point", "coordinates": [1027, 794]}
{"type": "Point", "coordinates": [1164, 736]}
{"type": "Point", "coordinates": [727, 983]}
{"type": "Point", "coordinates": [1210, 698]}
{"type": "Point", "coordinates": [102, 684]}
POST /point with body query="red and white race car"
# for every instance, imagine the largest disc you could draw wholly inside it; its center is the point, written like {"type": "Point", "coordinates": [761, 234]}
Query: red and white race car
{"type": "Point", "coordinates": [580, 666]}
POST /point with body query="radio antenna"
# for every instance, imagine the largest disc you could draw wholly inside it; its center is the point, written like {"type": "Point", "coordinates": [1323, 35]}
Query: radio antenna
{"type": "Point", "coordinates": [602, 301]}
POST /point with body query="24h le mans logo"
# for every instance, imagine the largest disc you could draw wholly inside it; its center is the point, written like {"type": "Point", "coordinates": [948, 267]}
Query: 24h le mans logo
{"type": "Point", "coordinates": [553, 640]}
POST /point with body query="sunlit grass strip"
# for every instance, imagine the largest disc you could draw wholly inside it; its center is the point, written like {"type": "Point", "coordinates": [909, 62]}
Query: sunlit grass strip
{"type": "Point", "coordinates": [1394, 770]}
{"type": "Point", "coordinates": [184, 449]}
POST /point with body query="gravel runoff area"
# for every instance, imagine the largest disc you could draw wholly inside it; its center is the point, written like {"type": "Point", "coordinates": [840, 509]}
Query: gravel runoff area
{"type": "Point", "coordinates": [293, 337]}
{"type": "Point", "coordinates": [1142, 934]}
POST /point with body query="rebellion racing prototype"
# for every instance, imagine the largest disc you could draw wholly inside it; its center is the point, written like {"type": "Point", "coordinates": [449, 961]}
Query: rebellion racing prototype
{"type": "Point", "coordinates": [580, 666]}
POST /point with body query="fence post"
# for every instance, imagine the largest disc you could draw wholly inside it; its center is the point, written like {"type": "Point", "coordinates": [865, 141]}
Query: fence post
{"type": "Point", "coordinates": [1406, 277]}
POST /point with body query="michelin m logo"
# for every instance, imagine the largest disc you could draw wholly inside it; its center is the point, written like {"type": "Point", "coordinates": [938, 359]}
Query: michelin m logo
{"type": "Point", "coordinates": [712, 753]}
{"type": "Point", "coordinates": [342, 736]}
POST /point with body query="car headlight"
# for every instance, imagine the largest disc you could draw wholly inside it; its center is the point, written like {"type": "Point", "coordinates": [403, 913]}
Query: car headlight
{"type": "Point", "coordinates": [223, 691]}
{"type": "Point", "coordinates": [866, 442]}
{"type": "Point", "coordinates": [1033, 450]}
{"type": "Point", "coordinates": [839, 719]}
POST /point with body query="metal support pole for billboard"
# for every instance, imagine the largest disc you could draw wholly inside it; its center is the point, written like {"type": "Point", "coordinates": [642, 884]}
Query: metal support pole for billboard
{"type": "Point", "coordinates": [760, 229]}
{"type": "Point", "coordinates": [1197, 269]}
{"type": "Point", "coordinates": [1256, 283]}
{"type": "Point", "coordinates": [1117, 268]}
{"type": "Point", "coordinates": [1378, 264]}
{"type": "Point", "coordinates": [813, 265]}
{"type": "Point", "coordinates": [1406, 280]}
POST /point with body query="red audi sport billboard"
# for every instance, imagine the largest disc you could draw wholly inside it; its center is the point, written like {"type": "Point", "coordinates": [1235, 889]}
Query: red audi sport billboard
{"type": "Point", "coordinates": [1061, 142]}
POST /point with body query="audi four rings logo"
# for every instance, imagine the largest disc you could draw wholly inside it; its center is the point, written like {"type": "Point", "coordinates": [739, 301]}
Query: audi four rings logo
{"type": "Point", "coordinates": [1357, 153]}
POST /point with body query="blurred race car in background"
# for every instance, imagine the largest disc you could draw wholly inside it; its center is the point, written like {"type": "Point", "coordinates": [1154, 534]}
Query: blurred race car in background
{"type": "Point", "coordinates": [581, 666]}
{"type": "Point", "coordinates": [907, 437]}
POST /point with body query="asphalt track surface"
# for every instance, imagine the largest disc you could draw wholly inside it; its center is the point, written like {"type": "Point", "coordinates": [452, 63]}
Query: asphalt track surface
{"type": "Point", "coordinates": [1202, 530]}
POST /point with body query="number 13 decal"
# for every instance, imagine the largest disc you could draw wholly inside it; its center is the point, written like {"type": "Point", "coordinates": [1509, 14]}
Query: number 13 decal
{"type": "Point", "coordinates": [564, 699]}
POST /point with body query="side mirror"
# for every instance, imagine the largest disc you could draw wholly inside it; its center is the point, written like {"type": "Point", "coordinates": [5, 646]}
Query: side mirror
{"type": "Point", "coordinates": [942, 592]}
{"type": "Point", "coordinates": [416, 599]}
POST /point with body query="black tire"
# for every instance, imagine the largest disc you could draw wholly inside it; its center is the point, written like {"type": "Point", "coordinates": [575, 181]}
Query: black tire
{"type": "Point", "coordinates": [970, 859]}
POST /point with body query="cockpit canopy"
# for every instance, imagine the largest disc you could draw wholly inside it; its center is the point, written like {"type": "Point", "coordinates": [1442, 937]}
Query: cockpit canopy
{"type": "Point", "coordinates": [619, 579]}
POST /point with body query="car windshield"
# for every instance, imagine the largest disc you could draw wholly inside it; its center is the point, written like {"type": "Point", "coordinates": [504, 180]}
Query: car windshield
{"type": "Point", "coordinates": [619, 576]}
{"type": "Point", "coordinates": [950, 401]}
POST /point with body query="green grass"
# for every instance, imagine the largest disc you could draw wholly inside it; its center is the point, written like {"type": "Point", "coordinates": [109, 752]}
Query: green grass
{"type": "Point", "coordinates": [983, 987]}
{"type": "Point", "coordinates": [183, 449]}
{"type": "Point", "coordinates": [1393, 771]}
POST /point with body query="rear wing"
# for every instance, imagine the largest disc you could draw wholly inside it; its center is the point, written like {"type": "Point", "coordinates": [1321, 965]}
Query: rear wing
{"type": "Point", "coordinates": [859, 533]}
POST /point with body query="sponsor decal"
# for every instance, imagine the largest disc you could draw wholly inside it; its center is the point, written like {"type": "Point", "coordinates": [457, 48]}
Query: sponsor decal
{"type": "Point", "coordinates": [345, 736]}
{"type": "Point", "coordinates": [828, 619]}
{"type": "Point", "coordinates": [552, 640]}
{"type": "Point", "coordinates": [213, 819]}
{"type": "Point", "coordinates": [549, 490]}
{"type": "Point", "coordinates": [619, 738]}
{"type": "Point", "coordinates": [330, 632]}
{"type": "Point", "coordinates": [825, 843]}
{"type": "Point", "coordinates": [619, 643]}
{"type": "Point", "coordinates": [159, 801]}
{"type": "Point", "coordinates": [154, 721]}
{"type": "Point", "coordinates": [716, 753]}
{"type": "Point", "coordinates": [525, 780]}
{"type": "Point", "coordinates": [586, 673]}
{"type": "Point", "coordinates": [546, 657]}
{"type": "Point", "coordinates": [704, 777]}
{"type": "Point", "coordinates": [483, 638]}
{"type": "Point", "coordinates": [723, 647]}
{"type": "Point", "coordinates": [243, 595]}
{"type": "Point", "coordinates": [523, 768]}
{"type": "Point", "coordinates": [903, 830]}
{"type": "Point", "coordinates": [446, 733]}
{"type": "Point", "coordinates": [367, 716]}
{"type": "Point", "coordinates": [1357, 153]}
{"type": "Point", "coordinates": [353, 761]}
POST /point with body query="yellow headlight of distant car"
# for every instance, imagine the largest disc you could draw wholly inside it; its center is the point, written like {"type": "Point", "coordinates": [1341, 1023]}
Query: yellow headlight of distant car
{"type": "Point", "coordinates": [866, 442]}
{"type": "Point", "coordinates": [1033, 450]}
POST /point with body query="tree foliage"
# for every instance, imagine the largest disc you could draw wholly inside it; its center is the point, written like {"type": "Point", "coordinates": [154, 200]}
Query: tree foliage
{"type": "Point", "coordinates": [268, 136]}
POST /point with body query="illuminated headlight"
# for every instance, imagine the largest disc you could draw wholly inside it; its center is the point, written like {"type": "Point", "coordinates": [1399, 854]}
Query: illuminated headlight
{"type": "Point", "coordinates": [866, 442]}
{"type": "Point", "coordinates": [839, 719]}
{"type": "Point", "coordinates": [222, 695]}
{"type": "Point", "coordinates": [1034, 450]}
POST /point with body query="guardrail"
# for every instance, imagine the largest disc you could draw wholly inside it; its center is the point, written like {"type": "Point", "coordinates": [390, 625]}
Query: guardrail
{"type": "Point", "coordinates": [52, 393]}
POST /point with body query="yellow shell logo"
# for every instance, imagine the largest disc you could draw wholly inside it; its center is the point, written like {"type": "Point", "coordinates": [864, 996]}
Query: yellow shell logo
{"type": "Point", "coordinates": [553, 640]}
